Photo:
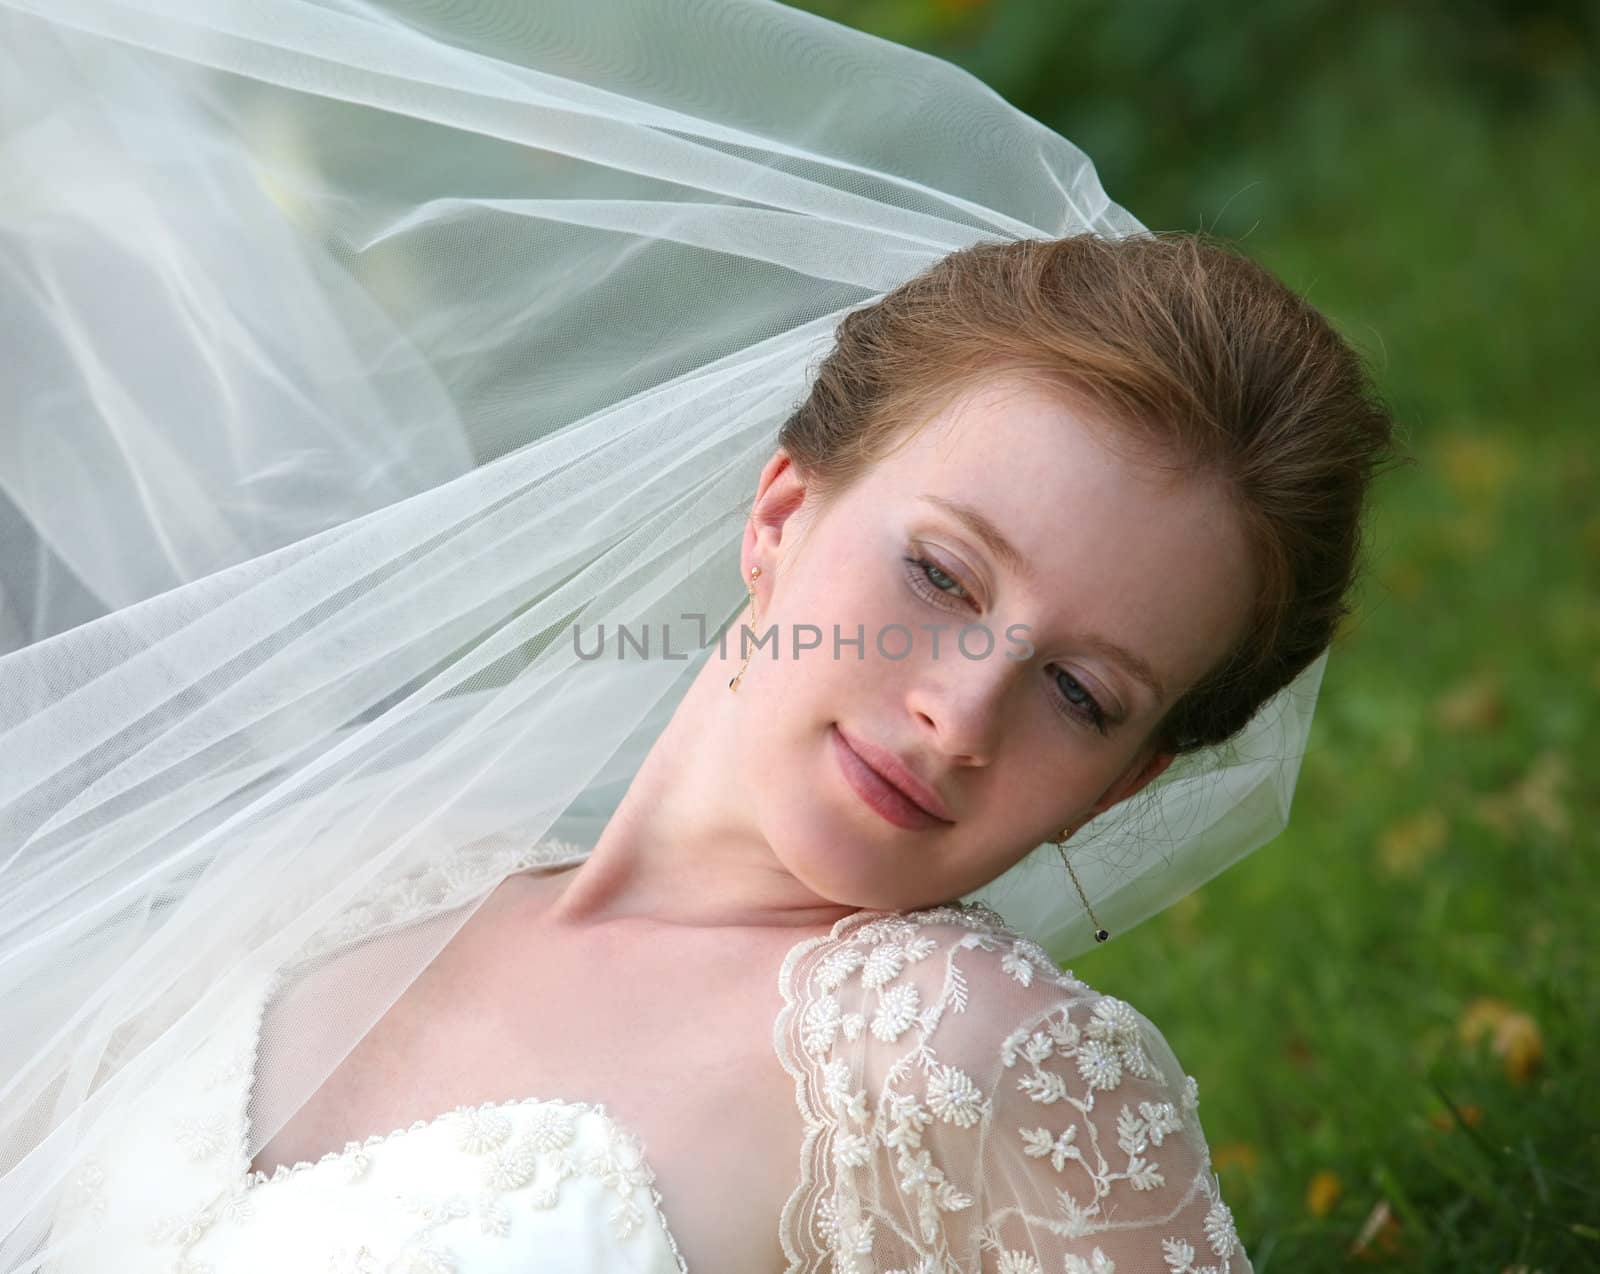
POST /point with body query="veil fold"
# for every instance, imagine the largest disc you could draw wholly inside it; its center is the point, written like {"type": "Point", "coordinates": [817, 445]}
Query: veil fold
{"type": "Point", "coordinates": [356, 353]}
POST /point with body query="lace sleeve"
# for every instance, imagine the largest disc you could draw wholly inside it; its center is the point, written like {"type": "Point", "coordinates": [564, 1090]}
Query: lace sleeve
{"type": "Point", "coordinates": [972, 1108]}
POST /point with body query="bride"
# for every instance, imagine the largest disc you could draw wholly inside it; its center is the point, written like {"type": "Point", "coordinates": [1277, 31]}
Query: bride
{"type": "Point", "coordinates": [364, 914]}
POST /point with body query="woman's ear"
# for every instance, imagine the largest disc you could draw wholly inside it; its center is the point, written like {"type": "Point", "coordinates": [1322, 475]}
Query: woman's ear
{"type": "Point", "coordinates": [1136, 776]}
{"type": "Point", "coordinates": [772, 529]}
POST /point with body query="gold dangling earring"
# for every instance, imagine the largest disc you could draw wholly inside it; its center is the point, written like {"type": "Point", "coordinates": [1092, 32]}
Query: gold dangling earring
{"type": "Point", "coordinates": [1100, 934]}
{"type": "Point", "coordinates": [755, 574]}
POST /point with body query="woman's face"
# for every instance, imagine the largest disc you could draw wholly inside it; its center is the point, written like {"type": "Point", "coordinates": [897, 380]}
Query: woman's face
{"type": "Point", "coordinates": [1118, 574]}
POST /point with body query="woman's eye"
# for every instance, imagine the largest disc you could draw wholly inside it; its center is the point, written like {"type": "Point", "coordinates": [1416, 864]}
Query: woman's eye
{"type": "Point", "coordinates": [933, 583]}
{"type": "Point", "coordinates": [1081, 703]}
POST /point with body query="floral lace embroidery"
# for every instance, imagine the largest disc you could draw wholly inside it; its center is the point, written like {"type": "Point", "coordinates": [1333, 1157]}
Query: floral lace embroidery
{"type": "Point", "coordinates": [1069, 1060]}
{"type": "Point", "coordinates": [518, 1168]}
{"type": "Point", "coordinates": [83, 1198]}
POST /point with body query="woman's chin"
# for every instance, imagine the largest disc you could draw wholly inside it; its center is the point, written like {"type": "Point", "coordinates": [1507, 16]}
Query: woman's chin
{"type": "Point", "coordinates": [839, 870]}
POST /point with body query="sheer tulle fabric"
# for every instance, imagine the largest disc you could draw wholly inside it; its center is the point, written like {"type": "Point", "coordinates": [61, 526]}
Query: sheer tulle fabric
{"type": "Point", "coordinates": [356, 354]}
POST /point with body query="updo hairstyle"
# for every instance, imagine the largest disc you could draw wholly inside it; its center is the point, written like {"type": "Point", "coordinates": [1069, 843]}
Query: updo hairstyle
{"type": "Point", "coordinates": [1195, 357]}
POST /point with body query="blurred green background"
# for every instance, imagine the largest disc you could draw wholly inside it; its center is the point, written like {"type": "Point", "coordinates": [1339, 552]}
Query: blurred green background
{"type": "Point", "coordinates": [1393, 1011]}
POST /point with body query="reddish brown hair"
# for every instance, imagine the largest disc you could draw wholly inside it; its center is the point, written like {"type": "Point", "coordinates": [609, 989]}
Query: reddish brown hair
{"type": "Point", "coordinates": [1194, 354]}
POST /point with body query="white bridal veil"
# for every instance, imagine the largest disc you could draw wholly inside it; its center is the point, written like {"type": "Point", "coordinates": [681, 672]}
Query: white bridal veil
{"type": "Point", "coordinates": [355, 352]}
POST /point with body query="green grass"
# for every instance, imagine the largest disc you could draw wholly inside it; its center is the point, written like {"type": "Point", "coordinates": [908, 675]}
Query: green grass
{"type": "Point", "coordinates": [1435, 191]}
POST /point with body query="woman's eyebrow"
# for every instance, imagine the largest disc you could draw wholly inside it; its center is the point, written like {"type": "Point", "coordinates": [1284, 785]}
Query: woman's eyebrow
{"type": "Point", "coordinates": [985, 530]}
{"type": "Point", "coordinates": [991, 535]}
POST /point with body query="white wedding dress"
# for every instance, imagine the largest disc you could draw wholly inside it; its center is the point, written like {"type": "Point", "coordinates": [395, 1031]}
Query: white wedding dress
{"type": "Point", "coordinates": [967, 1105]}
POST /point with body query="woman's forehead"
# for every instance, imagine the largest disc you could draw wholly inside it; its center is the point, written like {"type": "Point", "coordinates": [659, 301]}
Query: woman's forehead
{"type": "Point", "coordinates": [1025, 443]}
{"type": "Point", "coordinates": [1074, 529]}
{"type": "Point", "coordinates": [1036, 412]}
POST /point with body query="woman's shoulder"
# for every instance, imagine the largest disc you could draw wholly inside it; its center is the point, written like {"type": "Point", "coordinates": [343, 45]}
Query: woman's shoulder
{"type": "Point", "coordinates": [951, 1071]}
{"type": "Point", "coordinates": [959, 974]}
{"type": "Point", "coordinates": [436, 882]}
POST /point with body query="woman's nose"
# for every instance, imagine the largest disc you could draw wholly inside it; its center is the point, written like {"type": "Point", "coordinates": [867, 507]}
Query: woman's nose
{"type": "Point", "coordinates": [962, 704]}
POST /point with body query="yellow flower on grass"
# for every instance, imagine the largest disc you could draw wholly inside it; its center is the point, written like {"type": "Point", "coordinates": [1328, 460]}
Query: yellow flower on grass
{"type": "Point", "coordinates": [1469, 1116]}
{"type": "Point", "coordinates": [1472, 707]}
{"type": "Point", "coordinates": [1406, 846]}
{"type": "Point", "coordinates": [1534, 798]}
{"type": "Point", "coordinates": [1322, 1192]}
{"type": "Point", "coordinates": [1513, 1036]}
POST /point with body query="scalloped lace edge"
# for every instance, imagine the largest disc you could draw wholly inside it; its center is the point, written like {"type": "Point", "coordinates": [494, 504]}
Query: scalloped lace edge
{"type": "Point", "coordinates": [257, 1179]}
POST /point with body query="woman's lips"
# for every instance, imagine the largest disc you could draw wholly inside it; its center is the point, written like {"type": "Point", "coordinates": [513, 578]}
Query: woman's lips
{"type": "Point", "coordinates": [877, 792]}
